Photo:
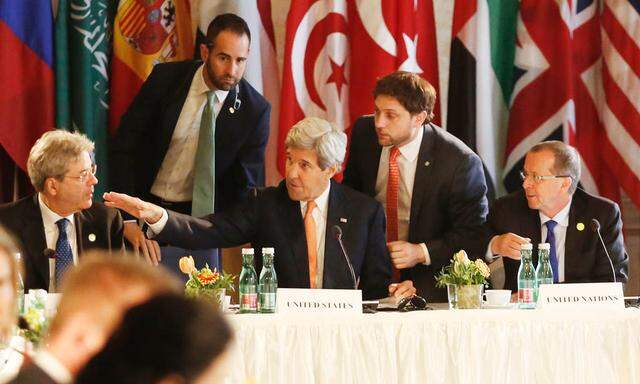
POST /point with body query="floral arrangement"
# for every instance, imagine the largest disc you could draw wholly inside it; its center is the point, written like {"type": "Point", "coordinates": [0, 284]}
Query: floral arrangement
{"type": "Point", "coordinates": [463, 271]}
{"type": "Point", "coordinates": [34, 324]}
{"type": "Point", "coordinates": [204, 282]}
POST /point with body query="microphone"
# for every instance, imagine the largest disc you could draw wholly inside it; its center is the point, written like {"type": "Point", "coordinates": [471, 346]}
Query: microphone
{"type": "Point", "coordinates": [337, 232]}
{"type": "Point", "coordinates": [595, 227]}
{"type": "Point", "coordinates": [50, 254]}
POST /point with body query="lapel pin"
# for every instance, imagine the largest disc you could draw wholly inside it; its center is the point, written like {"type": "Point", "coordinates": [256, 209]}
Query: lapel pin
{"type": "Point", "coordinates": [580, 227]}
{"type": "Point", "coordinates": [343, 220]}
{"type": "Point", "coordinates": [426, 163]}
{"type": "Point", "coordinates": [92, 237]}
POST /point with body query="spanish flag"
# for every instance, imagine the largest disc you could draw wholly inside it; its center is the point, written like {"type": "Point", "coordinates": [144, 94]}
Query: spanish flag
{"type": "Point", "coordinates": [145, 32]}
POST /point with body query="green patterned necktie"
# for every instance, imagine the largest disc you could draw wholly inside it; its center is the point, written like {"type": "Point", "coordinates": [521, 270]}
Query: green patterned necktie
{"type": "Point", "coordinates": [204, 172]}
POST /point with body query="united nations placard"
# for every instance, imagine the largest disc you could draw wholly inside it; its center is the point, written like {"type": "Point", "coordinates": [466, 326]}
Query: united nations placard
{"type": "Point", "coordinates": [292, 300]}
{"type": "Point", "coordinates": [583, 295]}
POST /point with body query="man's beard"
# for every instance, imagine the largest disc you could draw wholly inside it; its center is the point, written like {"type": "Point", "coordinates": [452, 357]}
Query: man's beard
{"type": "Point", "coordinates": [218, 81]}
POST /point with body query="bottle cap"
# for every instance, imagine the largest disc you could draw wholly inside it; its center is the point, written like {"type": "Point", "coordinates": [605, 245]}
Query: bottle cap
{"type": "Point", "coordinates": [545, 246]}
{"type": "Point", "coordinates": [526, 247]}
{"type": "Point", "coordinates": [247, 251]}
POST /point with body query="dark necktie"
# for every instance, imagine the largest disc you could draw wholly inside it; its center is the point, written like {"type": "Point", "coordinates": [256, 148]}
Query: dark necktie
{"type": "Point", "coordinates": [64, 256]}
{"type": "Point", "coordinates": [553, 257]}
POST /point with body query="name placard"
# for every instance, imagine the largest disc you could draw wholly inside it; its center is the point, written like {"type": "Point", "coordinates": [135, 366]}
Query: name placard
{"type": "Point", "coordinates": [294, 300]}
{"type": "Point", "coordinates": [581, 295]}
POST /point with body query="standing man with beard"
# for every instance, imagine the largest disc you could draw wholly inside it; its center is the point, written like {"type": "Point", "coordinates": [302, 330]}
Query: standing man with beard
{"type": "Point", "coordinates": [194, 138]}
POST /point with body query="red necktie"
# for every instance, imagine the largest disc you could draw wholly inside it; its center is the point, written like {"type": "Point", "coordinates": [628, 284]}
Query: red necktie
{"type": "Point", "coordinates": [392, 204]}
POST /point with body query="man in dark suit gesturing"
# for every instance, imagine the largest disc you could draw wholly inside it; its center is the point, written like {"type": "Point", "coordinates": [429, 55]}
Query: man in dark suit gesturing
{"type": "Point", "coordinates": [296, 218]}
{"type": "Point", "coordinates": [194, 138]}
{"type": "Point", "coordinates": [61, 215]}
{"type": "Point", "coordinates": [431, 184]}
{"type": "Point", "coordinates": [551, 207]}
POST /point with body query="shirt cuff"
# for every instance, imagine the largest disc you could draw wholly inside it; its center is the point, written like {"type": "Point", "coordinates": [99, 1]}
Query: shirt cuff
{"type": "Point", "coordinates": [489, 256]}
{"type": "Point", "coordinates": [159, 225]}
{"type": "Point", "coordinates": [425, 250]}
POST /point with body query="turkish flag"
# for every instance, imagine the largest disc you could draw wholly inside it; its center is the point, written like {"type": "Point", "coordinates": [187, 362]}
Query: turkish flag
{"type": "Point", "coordinates": [336, 50]}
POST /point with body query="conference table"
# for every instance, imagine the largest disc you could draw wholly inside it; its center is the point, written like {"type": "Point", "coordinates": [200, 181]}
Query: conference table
{"type": "Point", "coordinates": [438, 346]}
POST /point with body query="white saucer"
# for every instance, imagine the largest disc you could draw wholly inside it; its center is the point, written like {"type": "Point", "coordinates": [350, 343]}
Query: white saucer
{"type": "Point", "coordinates": [489, 306]}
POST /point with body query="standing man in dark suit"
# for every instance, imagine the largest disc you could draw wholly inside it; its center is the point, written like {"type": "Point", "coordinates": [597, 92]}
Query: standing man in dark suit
{"type": "Point", "coordinates": [194, 138]}
{"type": "Point", "coordinates": [431, 184]}
{"type": "Point", "coordinates": [61, 215]}
{"type": "Point", "coordinates": [297, 219]}
{"type": "Point", "coordinates": [550, 206]}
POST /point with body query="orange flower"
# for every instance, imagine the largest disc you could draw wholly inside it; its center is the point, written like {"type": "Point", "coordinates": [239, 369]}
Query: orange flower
{"type": "Point", "coordinates": [208, 277]}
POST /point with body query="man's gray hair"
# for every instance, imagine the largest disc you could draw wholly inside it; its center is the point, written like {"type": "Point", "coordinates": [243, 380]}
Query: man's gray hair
{"type": "Point", "coordinates": [566, 160]}
{"type": "Point", "coordinates": [329, 142]}
{"type": "Point", "coordinates": [52, 153]}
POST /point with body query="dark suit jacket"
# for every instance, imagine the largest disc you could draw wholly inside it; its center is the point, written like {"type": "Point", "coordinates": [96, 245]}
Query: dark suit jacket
{"type": "Point", "coordinates": [274, 220]}
{"type": "Point", "coordinates": [146, 129]}
{"type": "Point", "coordinates": [24, 219]}
{"type": "Point", "coordinates": [31, 373]}
{"type": "Point", "coordinates": [448, 205]}
{"type": "Point", "coordinates": [585, 260]}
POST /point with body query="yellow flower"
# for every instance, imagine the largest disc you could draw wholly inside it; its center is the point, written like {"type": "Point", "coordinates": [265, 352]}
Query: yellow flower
{"type": "Point", "coordinates": [187, 265]}
{"type": "Point", "coordinates": [483, 268]}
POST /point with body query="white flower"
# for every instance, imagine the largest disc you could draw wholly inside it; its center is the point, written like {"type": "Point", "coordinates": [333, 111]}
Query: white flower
{"type": "Point", "coordinates": [461, 257]}
{"type": "Point", "coordinates": [483, 268]}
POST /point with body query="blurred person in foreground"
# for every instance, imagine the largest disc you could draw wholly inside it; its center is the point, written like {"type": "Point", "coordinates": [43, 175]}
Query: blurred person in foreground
{"type": "Point", "coordinates": [187, 346]}
{"type": "Point", "coordinates": [10, 358]}
{"type": "Point", "coordinates": [296, 218]}
{"type": "Point", "coordinates": [95, 296]}
{"type": "Point", "coordinates": [550, 206]}
{"type": "Point", "coordinates": [62, 215]}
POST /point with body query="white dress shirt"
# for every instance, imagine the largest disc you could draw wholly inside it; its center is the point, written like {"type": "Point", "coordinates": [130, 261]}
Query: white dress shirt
{"type": "Point", "coordinates": [560, 231]}
{"type": "Point", "coordinates": [52, 367]}
{"type": "Point", "coordinates": [320, 216]}
{"type": "Point", "coordinates": [51, 233]}
{"type": "Point", "coordinates": [407, 162]}
{"type": "Point", "coordinates": [174, 181]}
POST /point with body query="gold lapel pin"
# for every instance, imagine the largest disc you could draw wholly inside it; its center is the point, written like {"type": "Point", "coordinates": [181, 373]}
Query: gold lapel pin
{"type": "Point", "coordinates": [92, 237]}
{"type": "Point", "coordinates": [426, 163]}
{"type": "Point", "coordinates": [580, 227]}
{"type": "Point", "coordinates": [343, 220]}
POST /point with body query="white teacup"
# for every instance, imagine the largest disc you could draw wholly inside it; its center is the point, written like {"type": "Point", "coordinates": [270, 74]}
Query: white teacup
{"type": "Point", "coordinates": [497, 297]}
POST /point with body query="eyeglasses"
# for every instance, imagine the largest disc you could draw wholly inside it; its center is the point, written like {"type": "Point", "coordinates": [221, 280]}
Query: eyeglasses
{"type": "Point", "coordinates": [412, 303]}
{"type": "Point", "coordinates": [537, 179]}
{"type": "Point", "coordinates": [85, 174]}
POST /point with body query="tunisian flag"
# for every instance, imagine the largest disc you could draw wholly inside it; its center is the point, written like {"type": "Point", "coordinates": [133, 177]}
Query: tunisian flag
{"type": "Point", "coordinates": [146, 32]}
{"type": "Point", "coordinates": [335, 51]}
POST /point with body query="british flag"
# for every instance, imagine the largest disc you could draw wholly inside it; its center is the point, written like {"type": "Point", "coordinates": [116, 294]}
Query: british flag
{"type": "Point", "coordinates": [576, 80]}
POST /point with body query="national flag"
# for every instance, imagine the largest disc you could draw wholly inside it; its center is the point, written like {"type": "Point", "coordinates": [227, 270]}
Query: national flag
{"type": "Point", "coordinates": [262, 67]}
{"type": "Point", "coordinates": [145, 33]}
{"type": "Point", "coordinates": [480, 80]}
{"type": "Point", "coordinates": [82, 38]}
{"type": "Point", "coordinates": [556, 91]}
{"type": "Point", "coordinates": [621, 84]}
{"type": "Point", "coordinates": [335, 51]}
{"type": "Point", "coordinates": [26, 75]}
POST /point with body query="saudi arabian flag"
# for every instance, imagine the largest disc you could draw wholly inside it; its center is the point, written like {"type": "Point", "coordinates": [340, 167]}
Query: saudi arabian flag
{"type": "Point", "coordinates": [82, 41]}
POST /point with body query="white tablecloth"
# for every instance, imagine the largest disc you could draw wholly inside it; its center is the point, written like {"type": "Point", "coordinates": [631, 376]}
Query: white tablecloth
{"type": "Point", "coordinates": [464, 346]}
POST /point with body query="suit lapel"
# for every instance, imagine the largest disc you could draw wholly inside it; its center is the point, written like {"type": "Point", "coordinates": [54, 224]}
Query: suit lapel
{"type": "Point", "coordinates": [332, 252]}
{"type": "Point", "coordinates": [294, 228]}
{"type": "Point", "coordinates": [80, 220]}
{"type": "Point", "coordinates": [425, 160]}
{"type": "Point", "coordinates": [371, 170]}
{"type": "Point", "coordinates": [34, 232]}
{"type": "Point", "coordinates": [574, 240]}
